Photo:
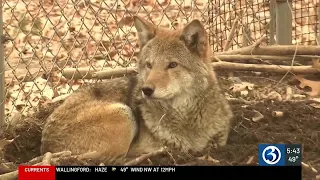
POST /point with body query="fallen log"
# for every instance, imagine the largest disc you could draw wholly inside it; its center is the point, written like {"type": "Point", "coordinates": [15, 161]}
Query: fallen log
{"type": "Point", "coordinates": [106, 74]}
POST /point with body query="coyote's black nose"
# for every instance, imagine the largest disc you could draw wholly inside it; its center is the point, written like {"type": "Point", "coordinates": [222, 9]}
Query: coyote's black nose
{"type": "Point", "coordinates": [148, 91]}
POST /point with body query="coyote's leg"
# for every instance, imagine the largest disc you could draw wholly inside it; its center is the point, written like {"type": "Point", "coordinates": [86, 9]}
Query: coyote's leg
{"type": "Point", "coordinates": [106, 128]}
{"type": "Point", "coordinates": [223, 138]}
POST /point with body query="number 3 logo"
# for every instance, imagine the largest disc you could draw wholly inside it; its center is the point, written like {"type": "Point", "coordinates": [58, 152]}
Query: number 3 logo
{"type": "Point", "coordinates": [271, 155]}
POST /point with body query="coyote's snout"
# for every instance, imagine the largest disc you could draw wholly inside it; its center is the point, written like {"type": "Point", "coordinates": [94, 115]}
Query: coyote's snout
{"type": "Point", "coordinates": [174, 101]}
{"type": "Point", "coordinates": [165, 79]}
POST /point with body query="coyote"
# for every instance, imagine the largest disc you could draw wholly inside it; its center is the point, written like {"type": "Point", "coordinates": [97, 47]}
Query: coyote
{"type": "Point", "coordinates": [174, 101]}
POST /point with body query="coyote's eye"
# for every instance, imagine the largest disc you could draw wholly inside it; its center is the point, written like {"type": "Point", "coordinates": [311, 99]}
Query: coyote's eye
{"type": "Point", "coordinates": [148, 65]}
{"type": "Point", "coordinates": [172, 65]}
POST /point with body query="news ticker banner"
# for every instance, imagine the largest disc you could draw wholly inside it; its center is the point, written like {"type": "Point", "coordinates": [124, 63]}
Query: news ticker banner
{"type": "Point", "coordinates": [100, 172]}
{"type": "Point", "coordinates": [283, 160]}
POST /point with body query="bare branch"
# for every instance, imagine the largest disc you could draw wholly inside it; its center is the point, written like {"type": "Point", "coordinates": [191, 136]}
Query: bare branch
{"type": "Point", "coordinates": [10, 176]}
{"type": "Point", "coordinates": [221, 65]}
{"type": "Point", "coordinates": [230, 38]}
{"type": "Point", "coordinates": [236, 57]}
{"type": "Point", "coordinates": [264, 68]}
{"type": "Point", "coordinates": [278, 50]}
{"type": "Point", "coordinates": [78, 73]}
{"type": "Point", "coordinates": [258, 42]}
{"type": "Point", "coordinates": [144, 157]}
{"type": "Point", "coordinates": [114, 72]}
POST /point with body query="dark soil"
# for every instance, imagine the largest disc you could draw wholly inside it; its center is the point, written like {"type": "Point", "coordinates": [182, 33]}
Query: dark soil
{"type": "Point", "coordinates": [300, 124]}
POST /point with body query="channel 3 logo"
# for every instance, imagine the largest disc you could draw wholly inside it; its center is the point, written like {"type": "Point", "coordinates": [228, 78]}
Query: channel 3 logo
{"type": "Point", "coordinates": [271, 154]}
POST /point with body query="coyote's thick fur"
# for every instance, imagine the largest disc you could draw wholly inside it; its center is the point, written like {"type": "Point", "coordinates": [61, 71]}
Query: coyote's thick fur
{"type": "Point", "coordinates": [174, 101]}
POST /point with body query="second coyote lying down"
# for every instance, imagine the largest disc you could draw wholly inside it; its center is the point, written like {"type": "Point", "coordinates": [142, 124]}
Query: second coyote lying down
{"type": "Point", "coordinates": [174, 101]}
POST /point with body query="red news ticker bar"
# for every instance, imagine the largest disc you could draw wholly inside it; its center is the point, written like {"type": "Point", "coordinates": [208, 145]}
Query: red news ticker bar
{"type": "Point", "coordinates": [36, 173]}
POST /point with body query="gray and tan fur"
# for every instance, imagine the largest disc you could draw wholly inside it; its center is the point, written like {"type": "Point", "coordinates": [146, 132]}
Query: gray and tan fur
{"type": "Point", "coordinates": [174, 101]}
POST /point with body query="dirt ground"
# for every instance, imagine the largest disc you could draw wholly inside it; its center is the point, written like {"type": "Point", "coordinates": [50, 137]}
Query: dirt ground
{"type": "Point", "coordinates": [300, 124]}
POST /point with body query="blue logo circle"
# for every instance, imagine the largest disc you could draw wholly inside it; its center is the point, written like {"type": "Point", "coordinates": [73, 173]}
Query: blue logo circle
{"type": "Point", "coordinates": [271, 155]}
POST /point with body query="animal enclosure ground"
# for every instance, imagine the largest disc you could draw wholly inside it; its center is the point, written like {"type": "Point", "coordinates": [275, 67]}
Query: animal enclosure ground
{"type": "Point", "coordinates": [300, 123]}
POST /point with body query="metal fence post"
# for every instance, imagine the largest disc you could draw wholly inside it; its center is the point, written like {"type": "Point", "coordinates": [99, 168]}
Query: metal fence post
{"type": "Point", "coordinates": [2, 84]}
{"type": "Point", "coordinates": [318, 26]}
{"type": "Point", "coordinates": [272, 24]}
{"type": "Point", "coordinates": [284, 22]}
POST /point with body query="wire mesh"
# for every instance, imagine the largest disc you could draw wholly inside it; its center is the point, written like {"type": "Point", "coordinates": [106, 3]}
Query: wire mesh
{"type": "Point", "coordinates": [255, 21]}
{"type": "Point", "coordinates": [51, 36]}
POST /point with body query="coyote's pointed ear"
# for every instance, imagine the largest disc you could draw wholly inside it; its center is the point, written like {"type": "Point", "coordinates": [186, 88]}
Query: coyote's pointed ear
{"type": "Point", "coordinates": [146, 30]}
{"type": "Point", "coordinates": [195, 37]}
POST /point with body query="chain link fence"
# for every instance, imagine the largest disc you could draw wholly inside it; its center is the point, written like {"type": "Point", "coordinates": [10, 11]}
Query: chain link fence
{"type": "Point", "coordinates": [51, 36]}
{"type": "Point", "coordinates": [258, 17]}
